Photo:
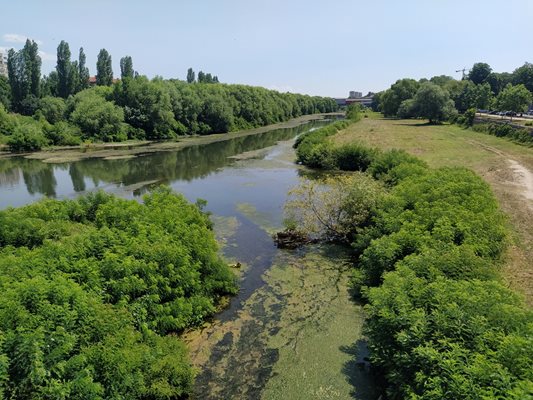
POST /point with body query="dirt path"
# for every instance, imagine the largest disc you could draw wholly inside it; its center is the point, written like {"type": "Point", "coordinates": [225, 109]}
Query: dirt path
{"type": "Point", "coordinates": [524, 178]}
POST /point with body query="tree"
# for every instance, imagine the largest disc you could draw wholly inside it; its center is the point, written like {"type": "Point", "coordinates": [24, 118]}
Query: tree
{"type": "Point", "coordinates": [201, 77]}
{"type": "Point", "coordinates": [147, 106]}
{"type": "Point", "coordinates": [49, 84]}
{"type": "Point", "coordinates": [524, 75]}
{"type": "Point", "coordinates": [126, 67]}
{"type": "Point", "coordinates": [433, 102]}
{"type": "Point", "coordinates": [66, 71]}
{"type": "Point", "coordinates": [104, 69]}
{"type": "Point", "coordinates": [333, 208]}
{"type": "Point", "coordinates": [24, 70]}
{"type": "Point", "coordinates": [441, 80]}
{"type": "Point", "coordinates": [479, 72]}
{"type": "Point", "coordinates": [83, 71]}
{"type": "Point", "coordinates": [97, 118]}
{"type": "Point", "coordinates": [52, 108]}
{"type": "Point", "coordinates": [474, 96]}
{"type": "Point", "coordinates": [5, 92]}
{"type": "Point", "coordinates": [498, 81]}
{"type": "Point", "coordinates": [402, 89]}
{"type": "Point", "coordinates": [514, 98]}
{"type": "Point", "coordinates": [191, 78]}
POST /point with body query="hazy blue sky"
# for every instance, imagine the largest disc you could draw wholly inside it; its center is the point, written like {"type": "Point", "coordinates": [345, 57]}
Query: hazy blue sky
{"type": "Point", "coordinates": [315, 47]}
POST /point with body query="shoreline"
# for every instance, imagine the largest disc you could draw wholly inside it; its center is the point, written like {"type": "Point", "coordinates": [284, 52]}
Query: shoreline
{"type": "Point", "coordinates": [132, 149]}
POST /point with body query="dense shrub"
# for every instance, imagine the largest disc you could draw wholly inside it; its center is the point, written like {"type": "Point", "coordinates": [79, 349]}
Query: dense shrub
{"type": "Point", "coordinates": [98, 118]}
{"type": "Point", "coordinates": [521, 135]}
{"type": "Point", "coordinates": [27, 137]}
{"type": "Point", "coordinates": [7, 122]}
{"type": "Point", "coordinates": [312, 148]}
{"type": "Point", "coordinates": [352, 157]}
{"type": "Point", "coordinates": [333, 208]}
{"type": "Point", "coordinates": [62, 133]}
{"type": "Point", "coordinates": [390, 166]}
{"type": "Point", "coordinates": [450, 339]}
{"type": "Point", "coordinates": [52, 108]}
{"type": "Point", "coordinates": [90, 289]}
{"type": "Point", "coordinates": [439, 323]}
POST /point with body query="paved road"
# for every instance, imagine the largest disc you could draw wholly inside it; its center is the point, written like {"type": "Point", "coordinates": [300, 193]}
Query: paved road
{"type": "Point", "coordinates": [499, 117]}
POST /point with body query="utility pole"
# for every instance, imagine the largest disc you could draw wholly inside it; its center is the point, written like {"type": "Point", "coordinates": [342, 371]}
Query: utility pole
{"type": "Point", "coordinates": [463, 71]}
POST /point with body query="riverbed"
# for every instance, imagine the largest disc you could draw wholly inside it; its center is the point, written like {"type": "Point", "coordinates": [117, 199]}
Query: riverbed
{"type": "Point", "coordinates": [292, 332]}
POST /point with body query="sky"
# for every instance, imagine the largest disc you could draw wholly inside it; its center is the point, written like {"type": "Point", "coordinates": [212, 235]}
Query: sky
{"type": "Point", "coordinates": [324, 48]}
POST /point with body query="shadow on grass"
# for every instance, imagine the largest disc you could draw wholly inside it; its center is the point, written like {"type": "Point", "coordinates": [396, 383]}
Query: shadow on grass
{"type": "Point", "coordinates": [418, 124]}
{"type": "Point", "coordinates": [359, 373]}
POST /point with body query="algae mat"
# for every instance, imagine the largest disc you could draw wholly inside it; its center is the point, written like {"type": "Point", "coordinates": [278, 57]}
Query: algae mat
{"type": "Point", "coordinates": [296, 337]}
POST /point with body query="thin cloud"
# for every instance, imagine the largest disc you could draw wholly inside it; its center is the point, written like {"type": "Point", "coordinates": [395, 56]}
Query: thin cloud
{"type": "Point", "coordinates": [46, 56]}
{"type": "Point", "coordinates": [16, 38]}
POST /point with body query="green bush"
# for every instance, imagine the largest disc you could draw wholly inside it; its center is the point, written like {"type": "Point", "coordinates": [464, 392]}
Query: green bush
{"type": "Point", "coordinates": [521, 135]}
{"type": "Point", "coordinates": [386, 165]}
{"type": "Point", "coordinates": [63, 134]}
{"type": "Point", "coordinates": [352, 157]}
{"type": "Point", "coordinates": [91, 287]}
{"type": "Point", "coordinates": [7, 122]}
{"type": "Point", "coordinates": [27, 137]}
{"type": "Point", "coordinates": [449, 339]}
{"type": "Point", "coordinates": [98, 118]}
{"type": "Point", "coordinates": [52, 108]}
{"type": "Point", "coordinates": [440, 325]}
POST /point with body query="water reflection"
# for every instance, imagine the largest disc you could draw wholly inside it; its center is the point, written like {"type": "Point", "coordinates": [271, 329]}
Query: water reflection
{"type": "Point", "coordinates": [24, 180]}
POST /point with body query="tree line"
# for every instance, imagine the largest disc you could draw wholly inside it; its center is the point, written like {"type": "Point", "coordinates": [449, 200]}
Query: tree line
{"type": "Point", "coordinates": [94, 291]}
{"type": "Point", "coordinates": [442, 97]}
{"type": "Point", "coordinates": [428, 244]}
{"type": "Point", "coordinates": [61, 108]}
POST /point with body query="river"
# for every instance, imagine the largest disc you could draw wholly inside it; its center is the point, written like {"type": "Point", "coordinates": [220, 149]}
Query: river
{"type": "Point", "coordinates": [292, 331]}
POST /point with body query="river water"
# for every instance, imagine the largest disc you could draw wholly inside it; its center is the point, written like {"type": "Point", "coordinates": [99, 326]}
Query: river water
{"type": "Point", "coordinates": [267, 336]}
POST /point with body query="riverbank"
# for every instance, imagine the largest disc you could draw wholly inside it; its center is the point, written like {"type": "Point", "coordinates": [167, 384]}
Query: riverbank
{"type": "Point", "coordinates": [130, 149]}
{"type": "Point", "coordinates": [506, 166]}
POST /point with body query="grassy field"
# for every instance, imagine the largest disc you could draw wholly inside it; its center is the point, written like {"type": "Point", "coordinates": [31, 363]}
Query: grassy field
{"type": "Point", "coordinates": [505, 165]}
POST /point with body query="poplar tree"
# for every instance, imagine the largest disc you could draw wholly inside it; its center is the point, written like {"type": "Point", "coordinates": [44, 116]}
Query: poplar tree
{"type": "Point", "coordinates": [64, 70]}
{"type": "Point", "coordinates": [191, 78]}
{"type": "Point", "coordinates": [24, 71]}
{"type": "Point", "coordinates": [104, 69]}
{"type": "Point", "coordinates": [33, 65]}
{"type": "Point", "coordinates": [83, 71]}
{"type": "Point", "coordinates": [126, 67]}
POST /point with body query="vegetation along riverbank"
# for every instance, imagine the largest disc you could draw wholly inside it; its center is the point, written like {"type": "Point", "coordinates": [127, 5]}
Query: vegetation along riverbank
{"type": "Point", "coordinates": [441, 321]}
{"type": "Point", "coordinates": [62, 109]}
{"type": "Point", "coordinates": [94, 291]}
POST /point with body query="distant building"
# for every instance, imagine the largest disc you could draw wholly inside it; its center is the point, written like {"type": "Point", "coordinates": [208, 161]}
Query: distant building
{"type": "Point", "coordinates": [355, 95]}
{"type": "Point", "coordinates": [364, 101]}
{"type": "Point", "coordinates": [92, 80]}
{"type": "Point", "coordinates": [3, 64]}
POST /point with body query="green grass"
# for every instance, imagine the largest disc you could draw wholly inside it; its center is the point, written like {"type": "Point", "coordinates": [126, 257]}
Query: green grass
{"type": "Point", "coordinates": [439, 145]}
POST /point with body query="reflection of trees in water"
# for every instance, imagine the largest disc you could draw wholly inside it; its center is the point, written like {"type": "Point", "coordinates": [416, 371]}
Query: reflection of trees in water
{"type": "Point", "coordinates": [186, 164]}
{"type": "Point", "coordinates": [78, 181]}
{"type": "Point", "coordinates": [39, 178]}
{"type": "Point", "coordinates": [9, 173]}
